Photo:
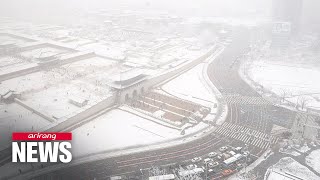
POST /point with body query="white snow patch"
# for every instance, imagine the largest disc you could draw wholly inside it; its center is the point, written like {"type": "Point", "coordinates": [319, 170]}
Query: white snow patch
{"type": "Point", "coordinates": [246, 173]}
{"type": "Point", "coordinates": [290, 151]}
{"type": "Point", "coordinates": [191, 86]}
{"type": "Point", "coordinates": [15, 118]}
{"type": "Point", "coordinates": [294, 80]}
{"type": "Point", "coordinates": [313, 160]}
{"type": "Point", "coordinates": [303, 149]}
{"type": "Point", "coordinates": [118, 129]}
{"type": "Point", "coordinates": [289, 166]}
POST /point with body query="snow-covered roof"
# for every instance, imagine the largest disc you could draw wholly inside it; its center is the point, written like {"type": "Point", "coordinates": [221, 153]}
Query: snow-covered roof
{"type": "Point", "coordinates": [78, 99]}
{"type": "Point", "coordinates": [127, 78]}
{"type": "Point", "coordinates": [127, 75]}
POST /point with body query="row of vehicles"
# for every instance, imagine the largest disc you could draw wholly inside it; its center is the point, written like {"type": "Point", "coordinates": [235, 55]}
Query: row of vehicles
{"type": "Point", "coordinates": [226, 161]}
{"type": "Point", "coordinates": [222, 163]}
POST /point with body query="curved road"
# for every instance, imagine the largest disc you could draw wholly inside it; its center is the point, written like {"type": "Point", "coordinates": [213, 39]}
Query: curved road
{"type": "Point", "coordinates": [248, 114]}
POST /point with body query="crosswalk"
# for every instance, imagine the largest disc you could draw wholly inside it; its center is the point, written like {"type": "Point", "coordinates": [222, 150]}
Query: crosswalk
{"type": "Point", "coordinates": [246, 135]}
{"type": "Point", "coordinates": [304, 118]}
{"type": "Point", "coordinates": [248, 100]}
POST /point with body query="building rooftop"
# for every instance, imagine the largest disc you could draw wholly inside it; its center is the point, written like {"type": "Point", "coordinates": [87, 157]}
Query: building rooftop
{"type": "Point", "coordinates": [127, 78]}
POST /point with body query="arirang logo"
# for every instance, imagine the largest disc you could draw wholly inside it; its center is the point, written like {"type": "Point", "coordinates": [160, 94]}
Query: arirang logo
{"type": "Point", "coordinates": [41, 147]}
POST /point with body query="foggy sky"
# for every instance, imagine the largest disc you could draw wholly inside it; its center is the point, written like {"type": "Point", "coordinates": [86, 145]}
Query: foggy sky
{"type": "Point", "coordinates": [46, 8]}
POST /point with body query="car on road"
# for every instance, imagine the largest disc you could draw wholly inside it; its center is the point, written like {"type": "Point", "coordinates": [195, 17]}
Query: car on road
{"type": "Point", "coordinates": [196, 159]}
{"type": "Point", "coordinates": [223, 149]}
{"type": "Point", "coordinates": [246, 153]}
{"type": "Point", "coordinates": [238, 149]}
{"type": "Point", "coordinates": [227, 172]}
{"type": "Point", "coordinates": [115, 178]}
{"type": "Point", "coordinates": [192, 166]}
{"type": "Point", "coordinates": [211, 171]}
{"type": "Point", "coordinates": [207, 160]}
{"type": "Point", "coordinates": [239, 166]}
{"type": "Point", "coordinates": [313, 144]}
{"type": "Point", "coordinates": [213, 164]}
{"type": "Point", "coordinates": [220, 157]}
{"type": "Point", "coordinates": [232, 153]}
{"type": "Point", "coordinates": [212, 154]}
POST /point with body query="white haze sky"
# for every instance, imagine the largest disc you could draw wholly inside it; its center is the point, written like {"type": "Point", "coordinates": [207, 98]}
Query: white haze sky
{"type": "Point", "coordinates": [46, 8]}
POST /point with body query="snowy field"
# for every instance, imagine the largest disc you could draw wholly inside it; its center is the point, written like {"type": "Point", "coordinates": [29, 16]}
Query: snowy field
{"type": "Point", "coordinates": [9, 61]}
{"type": "Point", "coordinates": [55, 100]}
{"type": "Point", "coordinates": [75, 42]}
{"type": "Point", "coordinates": [94, 69]}
{"type": "Point", "coordinates": [291, 167]}
{"type": "Point", "coordinates": [105, 50]}
{"type": "Point", "coordinates": [44, 52]}
{"type": "Point", "coordinates": [118, 129]}
{"type": "Point", "coordinates": [14, 117]}
{"type": "Point", "coordinates": [313, 160]}
{"type": "Point", "coordinates": [191, 86]}
{"type": "Point", "coordinates": [49, 91]}
{"type": "Point", "coordinates": [294, 81]}
{"type": "Point", "coordinates": [12, 64]}
{"type": "Point", "coordinates": [4, 39]}
{"type": "Point", "coordinates": [107, 130]}
{"type": "Point", "coordinates": [290, 151]}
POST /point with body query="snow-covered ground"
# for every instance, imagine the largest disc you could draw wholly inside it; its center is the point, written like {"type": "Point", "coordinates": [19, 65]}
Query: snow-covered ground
{"type": "Point", "coordinates": [290, 151]}
{"type": "Point", "coordinates": [107, 130]}
{"type": "Point", "coordinates": [43, 52]}
{"type": "Point", "coordinates": [50, 91]}
{"type": "Point", "coordinates": [296, 82]}
{"type": "Point", "coordinates": [248, 173]}
{"type": "Point", "coordinates": [192, 86]}
{"type": "Point", "coordinates": [9, 61]}
{"type": "Point", "coordinates": [303, 149]}
{"type": "Point", "coordinates": [291, 73]}
{"type": "Point", "coordinates": [15, 66]}
{"type": "Point", "coordinates": [286, 167]}
{"type": "Point", "coordinates": [4, 39]}
{"type": "Point", "coordinates": [55, 100]}
{"type": "Point", "coordinates": [105, 50]}
{"type": "Point", "coordinates": [294, 148]}
{"type": "Point", "coordinates": [14, 117]}
{"type": "Point", "coordinates": [118, 129]}
{"type": "Point", "coordinates": [313, 160]}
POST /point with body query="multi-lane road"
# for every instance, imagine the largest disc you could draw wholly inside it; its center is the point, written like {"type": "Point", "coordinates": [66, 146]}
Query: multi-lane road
{"type": "Point", "coordinates": [249, 121]}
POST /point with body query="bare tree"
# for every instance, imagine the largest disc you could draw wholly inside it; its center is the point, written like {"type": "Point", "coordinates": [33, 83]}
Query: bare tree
{"type": "Point", "coordinates": [157, 171]}
{"type": "Point", "coordinates": [302, 102]}
{"type": "Point", "coordinates": [284, 94]}
{"type": "Point", "coordinates": [193, 176]}
{"type": "Point", "coordinates": [249, 176]}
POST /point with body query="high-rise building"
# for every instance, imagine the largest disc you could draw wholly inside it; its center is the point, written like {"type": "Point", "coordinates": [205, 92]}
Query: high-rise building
{"type": "Point", "coordinates": [310, 15]}
{"type": "Point", "coordinates": [286, 21]}
{"type": "Point", "coordinates": [288, 11]}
